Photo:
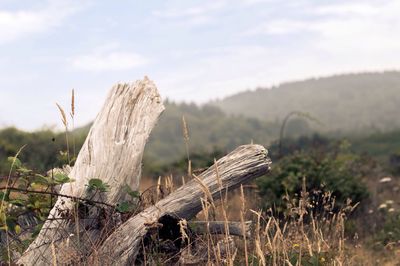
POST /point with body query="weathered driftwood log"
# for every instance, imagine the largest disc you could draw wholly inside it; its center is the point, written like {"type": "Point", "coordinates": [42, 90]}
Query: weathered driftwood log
{"type": "Point", "coordinates": [112, 153]}
{"type": "Point", "coordinates": [243, 164]}
{"type": "Point", "coordinates": [218, 228]}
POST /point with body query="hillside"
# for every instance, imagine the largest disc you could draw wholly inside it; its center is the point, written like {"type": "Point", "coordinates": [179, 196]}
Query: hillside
{"type": "Point", "coordinates": [209, 130]}
{"type": "Point", "coordinates": [351, 104]}
{"type": "Point", "coordinates": [347, 103]}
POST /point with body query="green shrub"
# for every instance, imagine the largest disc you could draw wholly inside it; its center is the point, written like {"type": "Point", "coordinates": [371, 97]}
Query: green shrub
{"type": "Point", "coordinates": [394, 163]}
{"type": "Point", "coordinates": [336, 171]}
{"type": "Point", "coordinates": [390, 233]}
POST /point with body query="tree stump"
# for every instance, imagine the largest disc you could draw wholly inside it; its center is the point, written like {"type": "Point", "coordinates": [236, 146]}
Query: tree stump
{"type": "Point", "coordinates": [113, 153]}
{"type": "Point", "coordinates": [85, 233]}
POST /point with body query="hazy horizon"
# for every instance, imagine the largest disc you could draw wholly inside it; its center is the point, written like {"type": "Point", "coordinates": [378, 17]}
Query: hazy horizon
{"type": "Point", "coordinates": [58, 127]}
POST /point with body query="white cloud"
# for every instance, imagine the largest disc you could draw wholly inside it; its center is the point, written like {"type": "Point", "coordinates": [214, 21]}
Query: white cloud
{"type": "Point", "coordinates": [108, 60]}
{"type": "Point", "coordinates": [352, 28]}
{"type": "Point", "coordinates": [286, 40]}
{"type": "Point", "coordinates": [218, 72]}
{"type": "Point", "coordinates": [367, 29]}
{"type": "Point", "coordinates": [17, 24]}
{"type": "Point", "coordinates": [192, 15]}
{"type": "Point", "coordinates": [280, 27]}
{"type": "Point", "coordinates": [206, 7]}
{"type": "Point", "coordinates": [315, 41]}
{"type": "Point", "coordinates": [253, 2]}
{"type": "Point", "coordinates": [364, 9]}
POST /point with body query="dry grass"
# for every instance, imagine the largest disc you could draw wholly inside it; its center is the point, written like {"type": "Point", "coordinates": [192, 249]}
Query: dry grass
{"type": "Point", "coordinates": [301, 236]}
{"type": "Point", "coordinates": [65, 122]}
{"type": "Point", "coordinates": [298, 237]}
{"type": "Point", "coordinates": [185, 131]}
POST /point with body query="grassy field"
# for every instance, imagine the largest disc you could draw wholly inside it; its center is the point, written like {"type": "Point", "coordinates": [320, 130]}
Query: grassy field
{"type": "Point", "coordinates": [298, 236]}
{"type": "Point", "coordinates": [326, 201]}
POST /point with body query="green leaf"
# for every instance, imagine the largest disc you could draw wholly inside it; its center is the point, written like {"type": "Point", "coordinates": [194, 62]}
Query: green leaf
{"type": "Point", "coordinates": [17, 202]}
{"type": "Point", "coordinates": [97, 184]}
{"type": "Point", "coordinates": [40, 179]}
{"type": "Point", "coordinates": [5, 196]}
{"type": "Point", "coordinates": [23, 182]}
{"type": "Point", "coordinates": [11, 223]}
{"type": "Point", "coordinates": [134, 194]}
{"type": "Point", "coordinates": [17, 229]}
{"type": "Point", "coordinates": [61, 178]}
{"type": "Point", "coordinates": [125, 206]}
{"type": "Point", "coordinates": [36, 204]}
{"type": "Point", "coordinates": [25, 244]}
{"type": "Point", "coordinates": [293, 259]}
{"type": "Point", "coordinates": [15, 161]}
{"type": "Point", "coordinates": [3, 217]}
{"type": "Point", "coordinates": [36, 231]}
{"type": "Point", "coordinates": [24, 170]}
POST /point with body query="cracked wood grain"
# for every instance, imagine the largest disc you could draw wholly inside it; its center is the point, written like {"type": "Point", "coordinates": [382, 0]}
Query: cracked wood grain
{"type": "Point", "coordinates": [242, 165]}
{"type": "Point", "coordinates": [112, 152]}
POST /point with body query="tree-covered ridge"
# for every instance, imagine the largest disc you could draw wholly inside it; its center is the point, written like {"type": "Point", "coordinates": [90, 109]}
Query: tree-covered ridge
{"type": "Point", "coordinates": [209, 129]}
{"type": "Point", "coordinates": [352, 102]}
{"type": "Point", "coordinates": [346, 104]}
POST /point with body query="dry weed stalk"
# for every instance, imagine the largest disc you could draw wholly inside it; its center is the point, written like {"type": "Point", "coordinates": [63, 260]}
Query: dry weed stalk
{"type": "Point", "coordinates": [304, 235]}
{"type": "Point", "coordinates": [169, 184]}
{"type": "Point", "coordinates": [53, 253]}
{"type": "Point", "coordinates": [185, 130]}
{"type": "Point", "coordinates": [72, 114]}
{"type": "Point", "coordinates": [242, 214]}
{"type": "Point", "coordinates": [205, 190]}
{"type": "Point", "coordinates": [158, 189]}
{"type": "Point", "coordinates": [258, 243]}
{"type": "Point", "coordinates": [65, 123]}
{"type": "Point", "coordinates": [229, 254]}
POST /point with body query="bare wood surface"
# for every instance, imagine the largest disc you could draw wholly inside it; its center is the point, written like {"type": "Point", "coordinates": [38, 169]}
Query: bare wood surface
{"type": "Point", "coordinates": [218, 228]}
{"type": "Point", "coordinates": [113, 153]}
{"type": "Point", "coordinates": [242, 165]}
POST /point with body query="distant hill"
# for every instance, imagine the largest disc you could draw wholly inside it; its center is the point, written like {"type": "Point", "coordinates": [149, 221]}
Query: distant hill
{"type": "Point", "coordinates": [347, 103]}
{"type": "Point", "coordinates": [209, 129]}
{"type": "Point", "coordinates": [367, 103]}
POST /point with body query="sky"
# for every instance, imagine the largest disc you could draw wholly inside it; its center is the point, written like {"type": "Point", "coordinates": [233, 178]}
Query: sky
{"type": "Point", "coordinates": [193, 50]}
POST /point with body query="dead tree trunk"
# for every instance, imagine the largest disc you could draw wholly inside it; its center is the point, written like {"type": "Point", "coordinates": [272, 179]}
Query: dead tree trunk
{"type": "Point", "coordinates": [112, 153]}
{"type": "Point", "coordinates": [241, 165]}
{"type": "Point", "coordinates": [75, 231]}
